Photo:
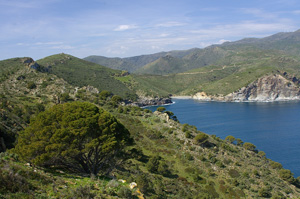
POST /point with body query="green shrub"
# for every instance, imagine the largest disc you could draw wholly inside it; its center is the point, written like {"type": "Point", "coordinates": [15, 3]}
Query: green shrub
{"type": "Point", "coordinates": [249, 146]}
{"type": "Point", "coordinates": [230, 139]}
{"type": "Point", "coordinates": [287, 175]}
{"type": "Point", "coordinates": [161, 109]}
{"type": "Point", "coordinates": [265, 193]}
{"type": "Point", "coordinates": [233, 173]}
{"type": "Point", "coordinates": [125, 192]}
{"type": "Point", "coordinates": [276, 165]}
{"type": "Point", "coordinates": [116, 99]}
{"type": "Point", "coordinates": [201, 138]}
{"type": "Point", "coordinates": [31, 85]}
{"type": "Point", "coordinates": [188, 134]}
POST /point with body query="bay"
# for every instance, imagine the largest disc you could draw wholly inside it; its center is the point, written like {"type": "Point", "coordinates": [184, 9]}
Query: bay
{"type": "Point", "coordinates": [273, 127]}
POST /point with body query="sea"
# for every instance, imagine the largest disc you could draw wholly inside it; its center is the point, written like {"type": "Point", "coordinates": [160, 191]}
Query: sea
{"type": "Point", "coordinates": [273, 127]}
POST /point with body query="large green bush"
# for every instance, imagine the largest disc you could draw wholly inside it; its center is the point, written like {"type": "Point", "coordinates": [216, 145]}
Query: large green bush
{"type": "Point", "coordinates": [77, 135]}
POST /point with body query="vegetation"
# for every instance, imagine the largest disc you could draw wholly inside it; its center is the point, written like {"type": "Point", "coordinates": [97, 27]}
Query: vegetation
{"type": "Point", "coordinates": [81, 73]}
{"type": "Point", "coordinates": [76, 135]}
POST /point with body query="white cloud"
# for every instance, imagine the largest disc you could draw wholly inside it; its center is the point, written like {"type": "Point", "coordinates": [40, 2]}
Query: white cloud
{"type": "Point", "coordinates": [164, 35]}
{"type": "Point", "coordinates": [223, 41]}
{"type": "Point", "coordinates": [125, 27]}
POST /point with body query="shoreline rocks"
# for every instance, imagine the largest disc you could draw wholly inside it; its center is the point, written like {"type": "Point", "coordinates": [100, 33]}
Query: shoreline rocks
{"type": "Point", "coordinates": [269, 88]}
{"type": "Point", "coordinates": [147, 101]}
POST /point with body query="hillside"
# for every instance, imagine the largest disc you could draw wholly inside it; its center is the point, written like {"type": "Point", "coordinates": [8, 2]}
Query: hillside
{"type": "Point", "coordinates": [166, 160]}
{"type": "Point", "coordinates": [162, 66]}
{"type": "Point", "coordinates": [81, 73]}
{"type": "Point", "coordinates": [132, 64]}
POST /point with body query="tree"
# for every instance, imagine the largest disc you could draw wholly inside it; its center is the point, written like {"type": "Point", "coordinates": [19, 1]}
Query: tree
{"type": "Point", "coordinates": [161, 109]}
{"type": "Point", "coordinates": [239, 142]}
{"type": "Point", "coordinates": [105, 94]}
{"type": "Point", "coordinates": [153, 164]}
{"type": "Point", "coordinates": [287, 175]}
{"type": "Point", "coordinates": [261, 154]}
{"type": "Point", "coordinates": [230, 139]}
{"type": "Point", "coordinates": [249, 146]}
{"type": "Point", "coordinates": [31, 85]}
{"type": "Point", "coordinates": [77, 135]}
{"type": "Point", "coordinates": [201, 139]}
{"type": "Point", "coordinates": [116, 99]}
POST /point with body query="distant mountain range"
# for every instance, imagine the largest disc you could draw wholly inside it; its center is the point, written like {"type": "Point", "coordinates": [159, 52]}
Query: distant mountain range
{"type": "Point", "coordinates": [180, 61]}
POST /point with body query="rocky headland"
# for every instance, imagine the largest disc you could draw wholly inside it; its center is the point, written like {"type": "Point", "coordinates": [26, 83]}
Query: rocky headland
{"type": "Point", "coordinates": [268, 88]}
{"type": "Point", "coordinates": [148, 101]}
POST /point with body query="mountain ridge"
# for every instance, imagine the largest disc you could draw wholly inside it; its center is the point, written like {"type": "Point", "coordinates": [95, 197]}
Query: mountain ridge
{"type": "Point", "coordinates": [285, 42]}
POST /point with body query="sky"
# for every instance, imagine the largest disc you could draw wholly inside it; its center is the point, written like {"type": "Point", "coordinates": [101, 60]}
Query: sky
{"type": "Point", "coordinates": [124, 28]}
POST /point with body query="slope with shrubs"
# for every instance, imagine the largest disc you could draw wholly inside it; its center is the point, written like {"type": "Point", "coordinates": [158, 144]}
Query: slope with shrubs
{"type": "Point", "coordinates": [81, 73]}
{"type": "Point", "coordinates": [165, 160]}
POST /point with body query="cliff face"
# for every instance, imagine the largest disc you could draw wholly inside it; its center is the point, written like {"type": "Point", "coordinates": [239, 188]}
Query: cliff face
{"type": "Point", "coordinates": [267, 88]}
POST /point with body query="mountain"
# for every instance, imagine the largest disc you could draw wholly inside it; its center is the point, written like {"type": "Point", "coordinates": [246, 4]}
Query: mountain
{"type": "Point", "coordinates": [287, 43]}
{"type": "Point", "coordinates": [132, 64]}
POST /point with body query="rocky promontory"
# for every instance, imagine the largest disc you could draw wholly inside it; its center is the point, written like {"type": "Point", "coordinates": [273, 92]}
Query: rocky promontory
{"type": "Point", "coordinates": [147, 101]}
{"type": "Point", "coordinates": [268, 88]}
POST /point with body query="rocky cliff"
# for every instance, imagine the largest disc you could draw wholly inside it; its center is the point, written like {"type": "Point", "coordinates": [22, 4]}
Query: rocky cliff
{"type": "Point", "coordinates": [147, 101]}
{"type": "Point", "coordinates": [268, 88]}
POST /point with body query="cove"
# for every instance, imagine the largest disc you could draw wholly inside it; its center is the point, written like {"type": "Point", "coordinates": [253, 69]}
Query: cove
{"type": "Point", "coordinates": [273, 127]}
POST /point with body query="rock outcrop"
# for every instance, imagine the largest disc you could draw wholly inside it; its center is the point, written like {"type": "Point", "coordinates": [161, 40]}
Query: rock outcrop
{"type": "Point", "coordinates": [145, 101]}
{"type": "Point", "coordinates": [268, 88]}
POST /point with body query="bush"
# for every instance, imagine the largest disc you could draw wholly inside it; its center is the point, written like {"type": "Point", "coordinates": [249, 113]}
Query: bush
{"type": "Point", "coordinates": [234, 173]}
{"type": "Point", "coordinates": [249, 146]}
{"type": "Point", "coordinates": [116, 99]}
{"type": "Point", "coordinates": [201, 138]}
{"type": "Point", "coordinates": [125, 192]}
{"type": "Point", "coordinates": [265, 193]}
{"type": "Point", "coordinates": [31, 85]}
{"type": "Point", "coordinates": [161, 109]}
{"type": "Point", "coordinates": [230, 138]}
{"type": "Point", "coordinates": [276, 165]}
{"type": "Point", "coordinates": [287, 175]}
{"type": "Point", "coordinates": [261, 154]}
{"type": "Point", "coordinates": [188, 134]}
{"type": "Point", "coordinates": [103, 95]}
{"type": "Point", "coordinates": [157, 165]}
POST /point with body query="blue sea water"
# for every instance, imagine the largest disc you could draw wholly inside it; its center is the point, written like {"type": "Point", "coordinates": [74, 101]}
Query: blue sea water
{"type": "Point", "coordinates": [273, 127]}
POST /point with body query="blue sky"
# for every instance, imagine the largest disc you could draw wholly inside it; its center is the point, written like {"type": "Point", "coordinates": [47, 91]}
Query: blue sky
{"type": "Point", "coordinates": [123, 28]}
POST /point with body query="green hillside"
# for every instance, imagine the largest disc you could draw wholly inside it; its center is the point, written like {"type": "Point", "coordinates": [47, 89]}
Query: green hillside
{"type": "Point", "coordinates": [81, 73]}
{"type": "Point", "coordinates": [162, 66]}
